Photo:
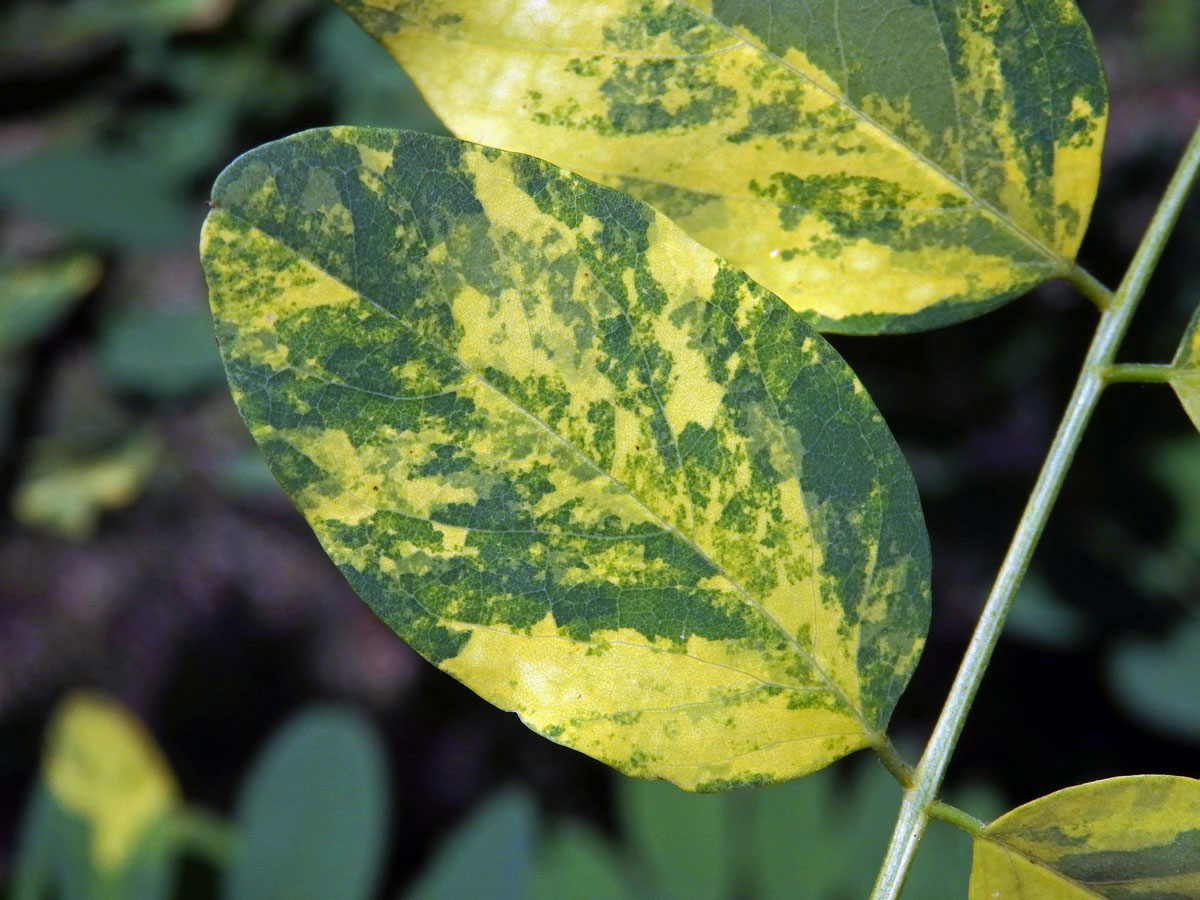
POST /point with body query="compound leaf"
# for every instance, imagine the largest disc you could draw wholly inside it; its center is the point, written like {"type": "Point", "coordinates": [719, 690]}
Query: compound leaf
{"type": "Point", "coordinates": [574, 459]}
{"type": "Point", "coordinates": [884, 165]}
{"type": "Point", "coordinates": [1131, 838]}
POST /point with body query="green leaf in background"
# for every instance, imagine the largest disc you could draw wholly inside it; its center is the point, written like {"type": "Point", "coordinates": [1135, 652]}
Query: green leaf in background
{"type": "Point", "coordinates": [489, 855]}
{"type": "Point", "coordinates": [162, 354]}
{"type": "Point", "coordinates": [885, 166]}
{"type": "Point", "coordinates": [789, 841]}
{"type": "Point", "coordinates": [33, 296]}
{"type": "Point", "coordinates": [97, 827]}
{"type": "Point", "coordinates": [1040, 617]}
{"type": "Point", "coordinates": [1123, 839]}
{"type": "Point", "coordinates": [682, 839]}
{"type": "Point", "coordinates": [65, 491]}
{"type": "Point", "coordinates": [313, 813]}
{"type": "Point", "coordinates": [806, 836]}
{"type": "Point", "coordinates": [576, 863]}
{"type": "Point", "coordinates": [1158, 683]}
{"type": "Point", "coordinates": [167, 16]}
{"type": "Point", "coordinates": [1176, 466]}
{"type": "Point", "coordinates": [103, 195]}
{"type": "Point", "coordinates": [574, 459]}
{"type": "Point", "coordinates": [1185, 369]}
{"type": "Point", "coordinates": [1170, 31]}
{"type": "Point", "coordinates": [794, 827]}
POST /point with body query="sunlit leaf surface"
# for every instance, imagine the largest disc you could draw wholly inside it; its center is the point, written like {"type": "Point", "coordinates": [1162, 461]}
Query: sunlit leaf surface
{"type": "Point", "coordinates": [1133, 838]}
{"type": "Point", "coordinates": [883, 164]}
{"type": "Point", "coordinates": [573, 458]}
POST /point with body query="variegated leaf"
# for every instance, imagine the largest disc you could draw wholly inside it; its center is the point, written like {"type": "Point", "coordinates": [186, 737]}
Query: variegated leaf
{"type": "Point", "coordinates": [102, 769]}
{"type": "Point", "coordinates": [573, 458]}
{"type": "Point", "coordinates": [1185, 370]}
{"type": "Point", "coordinates": [884, 165]}
{"type": "Point", "coordinates": [1133, 838]}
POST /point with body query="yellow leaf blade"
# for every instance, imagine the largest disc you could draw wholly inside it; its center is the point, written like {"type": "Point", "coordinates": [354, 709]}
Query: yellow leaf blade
{"type": "Point", "coordinates": [889, 166]}
{"type": "Point", "coordinates": [102, 766]}
{"type": "Point", "coordinates": [1130, 838]}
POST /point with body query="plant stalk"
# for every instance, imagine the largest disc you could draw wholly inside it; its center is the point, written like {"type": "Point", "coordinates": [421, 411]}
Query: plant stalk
{"type": "Point", "coordinates": [1139, 373]}
{"type": "Point", "coordinates": [1089, 285]}
{"type": "Point", "coordinates": [1114, 321]}
{"type": "Point", "coordinates": [896, 765]}
{"type": "Point", "coordinates": [956, 817]}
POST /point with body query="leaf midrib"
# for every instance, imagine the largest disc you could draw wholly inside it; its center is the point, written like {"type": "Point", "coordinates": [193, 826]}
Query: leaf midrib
{"type": "Point", "coordinates": [871, 732]}
{"type": "Point", "coordinates": [1060, 262]}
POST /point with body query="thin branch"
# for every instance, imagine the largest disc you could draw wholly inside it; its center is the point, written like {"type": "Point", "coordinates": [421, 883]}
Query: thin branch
{"type": "Point", "coordinates": [1090, 286]}
{"type": "Point", "coordinates": [1144, 373]}
{"type": "Point", "coordinates": [894, 762]}
{"type": "Point", "coordinates": [956, 817]}
{"type": "Point", "coordinates": [915, 808]}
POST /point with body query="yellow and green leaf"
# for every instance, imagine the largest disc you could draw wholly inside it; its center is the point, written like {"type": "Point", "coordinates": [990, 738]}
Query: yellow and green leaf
{"type": "Point", "coordinates": [1132, 838]}
{"type": "Point", "coordinates": [102, 768]}
{"type": "Point", "coordinates": [882, 166]}
{"type": "Point", "coordinates": [1184, 374]}
{"type": "Point", "coordinates": [35, 296]}
{"type": "Point", "coordinates": [572, 457]}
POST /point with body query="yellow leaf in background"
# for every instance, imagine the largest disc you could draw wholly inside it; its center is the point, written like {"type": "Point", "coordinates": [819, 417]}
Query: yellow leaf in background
{"type": "Point", "coordinates": [36, 295]}
{"type": "Point", "coordinates": [65, 493]}
{"type": "Point", "coordinates": [102, 766]}
{"type": "Point", "coordinates": [882, 166]}
{"type": "Point", "coordinates": [1132, 838]}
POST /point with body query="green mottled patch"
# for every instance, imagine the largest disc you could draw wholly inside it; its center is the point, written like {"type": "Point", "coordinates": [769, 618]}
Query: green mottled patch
{"type": "Point", "coordinates": [574, 459]}
{"type": "Point", "coordinates": [882, 166]}
{"type": "Point", "coordinates": [1133, 838]}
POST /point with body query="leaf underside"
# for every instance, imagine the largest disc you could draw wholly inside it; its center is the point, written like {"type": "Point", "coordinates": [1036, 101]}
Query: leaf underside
{"type": "Point", "coordinates": [572, 457]}
{"type": "Point", "coordinates": [881, 165]}
{"type": "Point", "coordinates": [1131, 838]}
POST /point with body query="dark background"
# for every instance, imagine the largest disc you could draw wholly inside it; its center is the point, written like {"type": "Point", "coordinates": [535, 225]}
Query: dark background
{"type": "Point", "coordinates": [145, 551]}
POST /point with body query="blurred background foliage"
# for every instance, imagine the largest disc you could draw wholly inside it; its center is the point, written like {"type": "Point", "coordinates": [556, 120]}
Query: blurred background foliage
{"type": "Point", "coordinates": [146, 552]}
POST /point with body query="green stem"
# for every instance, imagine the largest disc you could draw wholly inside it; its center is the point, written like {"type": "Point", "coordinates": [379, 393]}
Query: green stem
{"type": "Point", "coordinates": [207, 836]}
{"type": "Point", "coordinates": [894, 762]}
{"type": "Point", "coordinates": [1143, 373]}
{"type": "Point", "coordinates": [1088, 285]}
{"type": "Point", "coordinates": [915, 809]}
{"type": "Point", "coordinates": [956, 817]}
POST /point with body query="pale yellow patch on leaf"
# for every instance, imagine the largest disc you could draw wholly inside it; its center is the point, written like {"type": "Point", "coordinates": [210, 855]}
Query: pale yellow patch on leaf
{"type": "Point", "coordinates": [718, 718]}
